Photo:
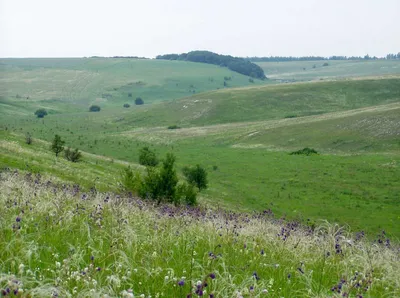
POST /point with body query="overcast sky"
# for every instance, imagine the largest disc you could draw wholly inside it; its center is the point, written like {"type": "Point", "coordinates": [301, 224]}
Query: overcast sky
{"type": "Point", "coordinates": [76, 28]}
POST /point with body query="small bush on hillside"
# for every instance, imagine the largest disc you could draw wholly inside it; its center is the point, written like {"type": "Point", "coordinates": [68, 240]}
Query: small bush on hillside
{"type": "Point", "coordinates": [127, 105]}
{"type": "Point", "coordinates": [147, 157]}
{"type": "Point", "coordinates": [129, 94]}
{"type": "Point", "coordinates": [131, 181]}
{"type": "Point", "coordinates": [28, 138]}
{"type": "Point", "coordinates": [94, 108]}
{"type": "Point", "coordinates": [325, 64]}
{"type": "Point", "coordinates": [173, 127]}
{"type": "Point", "coordinates": [304, 151]}
{"type": "Point", "coordinates": [57, 146]}
{"type": "Point", "coordinates": [185, 193]}
{"type": "Point", "coordinates": [159, 184]}
{"type": "Point", "coordinates": [291, 116]}
{"type": "Point", "coordinates": [251, 80]}
{"type": "Point", "coordinates": [197, 176]}
{"type": "Point", "coordinates": [72, 155]}
{"type": "Point", "coordinates": [139, 101]}
{"type": "Point", "coordinates": [40, 113]}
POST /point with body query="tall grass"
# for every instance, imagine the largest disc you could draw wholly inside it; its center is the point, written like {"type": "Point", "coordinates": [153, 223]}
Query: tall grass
{"type": "Point", "coordinates": [56, 241]}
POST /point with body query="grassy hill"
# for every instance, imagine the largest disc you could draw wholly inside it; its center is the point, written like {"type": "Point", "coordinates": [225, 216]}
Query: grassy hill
{"type": "Point", "coordinates": [243, 136]}
{"type": "Point", "coordinates": [269, 102]}
{"type": "Point", "coordinates": [59, 241]}
{"type": "Point", "coordinates": [75, 83]}
{"type": "Point", "coordinates": [305, 70]}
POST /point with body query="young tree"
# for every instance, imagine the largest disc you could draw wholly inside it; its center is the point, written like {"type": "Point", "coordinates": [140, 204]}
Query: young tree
{"type": "Point", "coordinates": [148, 157]}
{"type": "Point", "coordinates": [40, 113]}
{"type": "Point", "coordinates": [94, 108]}
{"type": "Point", "coordinates": [139, 101]}
{"type": "Point", "coordinates": [168, 179]}
{"type": "Point", "coordinates": [58, 145]}
{"type": "Point", "coordinates": [28, 138]}
{"type": "Point", "coordinates": [73, 155]}
{"type": "Point", "coordinates": [196, 175]}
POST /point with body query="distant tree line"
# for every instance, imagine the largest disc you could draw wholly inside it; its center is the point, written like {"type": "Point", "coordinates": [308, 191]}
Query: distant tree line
{"type": "Point", "coordinates": [129, 57]}
{"type": "Point", "coordinates": [240, 65]}
{"type": "Point", "coordinates": [317, 58]}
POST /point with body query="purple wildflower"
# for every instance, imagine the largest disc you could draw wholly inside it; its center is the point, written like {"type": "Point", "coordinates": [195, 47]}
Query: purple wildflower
{"type": "Point", "coordinates": [212, 275]}
{"type": "Point", "coordinates": [181, 283]}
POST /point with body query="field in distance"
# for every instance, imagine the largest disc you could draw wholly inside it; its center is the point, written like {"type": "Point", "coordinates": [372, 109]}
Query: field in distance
{"type": "Point", "coordinates": [243, 137]}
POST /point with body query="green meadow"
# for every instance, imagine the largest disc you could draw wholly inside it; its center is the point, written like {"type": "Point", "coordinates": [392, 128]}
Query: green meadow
{"type": "Point", "coordinates": [270, 223]}
{"type": "Point", "coordinates": [242, 135]}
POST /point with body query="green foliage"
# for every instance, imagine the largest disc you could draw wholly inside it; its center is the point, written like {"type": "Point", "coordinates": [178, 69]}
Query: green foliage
{"type": "Point", "coordinates": [304, 151]}
{"type": "Point", "coordinates": [131, 181]}
{"type": "Point", "coordinates": [239, 65]}
{"type": "Point", "coordinates": [251, 80]}
{"type": "Point", "coordinates": [185, 193]}
{"type": "Point", "coordinates": [150, 187]}
{"type": "Point", "coordinates": [28, 138]}
{"type": "Point", "coordinates": [127, 105]}
{"type": "Point", "coordinates": [147, 157]}
{"type": "Point", "coordinates": [173, 127]}
{"type": "Point", "coordinates": [130, 94]}
{"type": "Point", "coordinates": [196, 175]}
{"type": "Point", "coordinates": [168, 179]}
{"type": "Point", "coordinates": [40, 113]}
{"type": "Point", "coordinates": [139, 101]}
{"type": "Point", "coordinates": [57, 146]}
{"type": "Point", "coordinates": [72, 155]}
{"type": "Point", "coordinates": [94, 108]}
{"type": "Point", "coordinates": [325, 64]}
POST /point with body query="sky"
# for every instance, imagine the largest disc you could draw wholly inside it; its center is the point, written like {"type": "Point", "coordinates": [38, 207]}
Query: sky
{"type": "Point", "coordinates": [78, 28]}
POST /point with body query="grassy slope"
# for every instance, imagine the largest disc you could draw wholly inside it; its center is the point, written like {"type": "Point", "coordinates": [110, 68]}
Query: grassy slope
{"type": "Point", "coordinates": [269, 102]}
{"type": "Point", "coordinates": [54, 243]}
{"type": "Point", "coordinates": [254, 169]}
{"type": "Point", "coordinates": [294, 70]}
{"type": "Point", "coordinates": [107, 82]}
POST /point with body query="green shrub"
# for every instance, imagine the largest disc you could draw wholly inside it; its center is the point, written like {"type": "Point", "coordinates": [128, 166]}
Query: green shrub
{"type": "Point", "coordinates": [57, 146]}
{"type": "Point", "coordinates": [40, 113]}
{"type": "Point", "coordinates": [185, 193]}
{"type": "Point", "coordinates": [197, 176]}
{"type": "Point", "coordinates": [304, 151]}
{"type": "Point", "coordinates": [147, 157]}
{"type": "Point", "coordinates": [173, 127]}
{"type": "Point", "coordinates": [139, 101]}
{"type": "Point", "coordinates": [127, 105]}
{"type": "Point", "coordinates": [28, 138]}
{"type": "Point", "coordinates": [94, 108]}
{"type": "Point", "coordinates": [72, 155]}
{"type": "Point", "coordinates": [168, 179]}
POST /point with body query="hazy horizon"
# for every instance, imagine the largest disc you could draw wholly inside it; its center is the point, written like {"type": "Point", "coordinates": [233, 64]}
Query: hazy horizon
{"type": "Point", "coordinates": [46, 28]}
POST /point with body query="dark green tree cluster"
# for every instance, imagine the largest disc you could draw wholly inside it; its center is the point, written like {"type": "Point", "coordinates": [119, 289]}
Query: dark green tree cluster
{"type": "Point", "coordinates": [318, 58]}
{"type": "Point", "coordinates": [40, 113]}
{"type": "Point", "coordinates": [197, 176]}
{"type": "Point", "coordinates": [57, 146]}
{"type": "Point", "coordinates": [239, 65]}
{"type": "Point", "coordinates": [94, 108]}
{"type": "Point", "coordinates": [161, 183]}
{"type": "Point", "coordinates": [147, 157]}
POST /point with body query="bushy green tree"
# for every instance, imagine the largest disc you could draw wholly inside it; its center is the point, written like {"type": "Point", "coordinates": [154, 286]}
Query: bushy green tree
{"type": "Point", "coordinates": [72, 155]}
{"type": "Point", "coordinates": [94, 108]}
{"type": "Point", "coordinates": [57, 146]}
{"type": "Point", "coordinates": [185, 193]}
{"type": "Point", "coordinates": [139, 101]}
{"type": "Point", "coordinates": [197, 176]}
{"type": "Point", "coordinates": [168, 178]}
{"type": "Point", "coordinates": [40, 113]}
{"type": "Point", "coordinates": [147, 157]}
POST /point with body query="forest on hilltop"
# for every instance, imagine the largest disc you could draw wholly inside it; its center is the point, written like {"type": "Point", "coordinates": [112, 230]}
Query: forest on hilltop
{"type": "Point", "coordinates": [239, 65]}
